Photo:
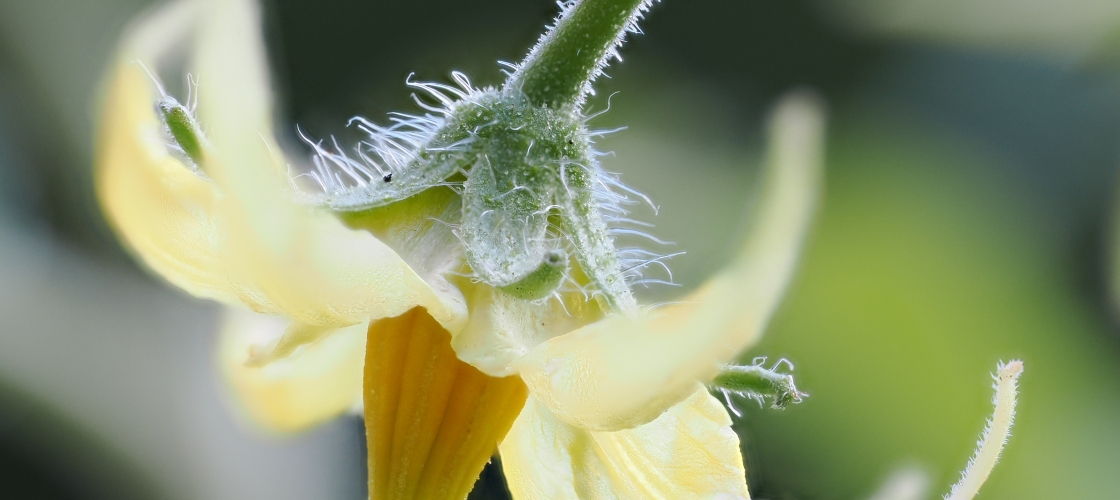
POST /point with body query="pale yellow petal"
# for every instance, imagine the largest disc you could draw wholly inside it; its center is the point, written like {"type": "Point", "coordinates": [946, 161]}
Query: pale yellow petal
{"type": "Point", "coordinates": [502, 328]}
{"type": "Point", "coordinates": [290, 259]}
{"type": "Point", "coordinates": [161, 210]}
{"type": "Point", "coordinates": [621, 372]}
{"type": "Point", "coordinates": [297, 261]}
{"type": "Point", "coordinates": [689, 451]}
{"type": "Point", "coordinates": [156, 33]}
{"type": "Point", "coordinates": [231, 231]}
{"type": "Point", "coordinates": [315, 383]}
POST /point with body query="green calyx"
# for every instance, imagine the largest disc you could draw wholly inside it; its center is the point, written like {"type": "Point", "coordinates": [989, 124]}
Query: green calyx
{"type": "Point", "coordinates": [521, 159]}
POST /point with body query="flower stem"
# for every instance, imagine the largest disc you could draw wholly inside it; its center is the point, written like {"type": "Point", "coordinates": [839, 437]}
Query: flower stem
{"type": "Point", "coordinates": [558, 72]}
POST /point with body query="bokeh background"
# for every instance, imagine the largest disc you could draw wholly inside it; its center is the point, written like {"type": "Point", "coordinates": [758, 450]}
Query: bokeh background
{"type": "Point", "coordinates": [973, 148]}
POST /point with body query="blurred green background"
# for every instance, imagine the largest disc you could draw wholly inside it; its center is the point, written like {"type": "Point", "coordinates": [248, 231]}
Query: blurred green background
{"type": "Point", "coordinates": [972, 154]}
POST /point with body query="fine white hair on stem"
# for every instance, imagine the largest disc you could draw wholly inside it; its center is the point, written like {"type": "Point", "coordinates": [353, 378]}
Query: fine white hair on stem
{"type": "Point", "coordinates": [995, 433]}
{"type": "Point", "coordinates": [566, 7]}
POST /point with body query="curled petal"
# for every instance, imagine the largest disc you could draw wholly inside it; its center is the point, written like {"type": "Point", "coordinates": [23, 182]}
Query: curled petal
{"type": "Point", "coordinates": [689, 451]}
{"type": "Point", "coordinates": [294, 260]}
{"type": "Point", "coordinates": [621, 372]}
{"type": "Point", "coordinates": [230, 230]}
{"type": "Point", "coordinates": [314, 384]}
{"type": "Point", "coordinates": [162, 210]}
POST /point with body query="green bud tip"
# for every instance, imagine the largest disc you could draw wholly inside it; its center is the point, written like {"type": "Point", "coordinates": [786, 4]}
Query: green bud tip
{"type": "Point", "coordinates": [544, 280]}
{"type": "Point", "coordinates": [183, 128]}
{"type": "Point", "coordinates": [758, 383]}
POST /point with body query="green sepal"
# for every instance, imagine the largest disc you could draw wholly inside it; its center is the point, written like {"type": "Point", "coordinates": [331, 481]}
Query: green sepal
{"type": "Point", "coordinates": [759, 383]}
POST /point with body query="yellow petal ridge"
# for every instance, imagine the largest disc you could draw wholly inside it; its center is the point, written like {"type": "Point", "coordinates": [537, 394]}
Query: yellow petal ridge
{"type": "Point", "coordinates": [432, 421]}
{"type": "Point", "coordinates": [690, 451]}
{"type": "Point", "coordinates": [621, 372]}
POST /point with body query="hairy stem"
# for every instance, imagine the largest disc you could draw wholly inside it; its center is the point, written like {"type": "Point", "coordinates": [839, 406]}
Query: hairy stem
{"type": "Point", "coordinates": [558, 72]}
{"type": "Point", "coordinates": [995, 433]}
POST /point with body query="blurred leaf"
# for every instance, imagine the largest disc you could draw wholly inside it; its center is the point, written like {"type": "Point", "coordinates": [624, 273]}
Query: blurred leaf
{"type": "Point", "coordinates": [1063, 28]}
{"type": "Point", "coordinates": [923, 273]}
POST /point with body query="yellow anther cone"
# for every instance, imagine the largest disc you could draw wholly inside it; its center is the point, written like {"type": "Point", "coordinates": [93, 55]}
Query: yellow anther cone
{"type": "Point", "coordinates": [432, 421]}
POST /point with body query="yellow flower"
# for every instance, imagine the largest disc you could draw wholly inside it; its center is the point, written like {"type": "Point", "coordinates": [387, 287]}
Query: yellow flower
{"type": "Point", "coordinates": [584, 403]}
